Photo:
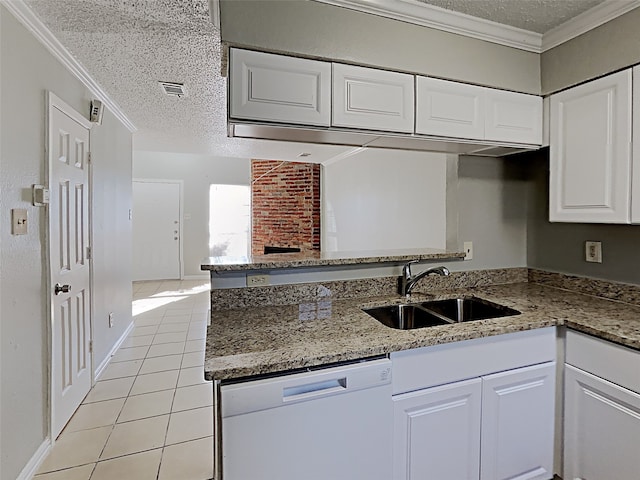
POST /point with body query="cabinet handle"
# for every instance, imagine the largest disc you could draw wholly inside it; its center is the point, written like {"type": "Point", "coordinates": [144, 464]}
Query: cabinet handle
{"type": "Point", "coordinates": [314, 390]}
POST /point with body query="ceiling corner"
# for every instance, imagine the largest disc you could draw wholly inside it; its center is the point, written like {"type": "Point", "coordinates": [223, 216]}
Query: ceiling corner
{"type": "Point", "coordinates": [592, 18]}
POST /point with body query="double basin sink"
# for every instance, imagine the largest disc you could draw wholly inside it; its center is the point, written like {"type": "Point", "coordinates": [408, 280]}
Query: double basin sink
{"type": "Point", "coordinates": [407, 316]}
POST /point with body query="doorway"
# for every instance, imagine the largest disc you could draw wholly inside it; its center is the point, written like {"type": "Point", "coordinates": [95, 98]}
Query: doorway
{"type": "Point", "coordinates": [69, 264]}
{"type": "Point", "coordinates": [157, 230]}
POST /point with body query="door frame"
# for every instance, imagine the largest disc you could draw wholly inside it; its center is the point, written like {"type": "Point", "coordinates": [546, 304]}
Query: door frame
{"type": "Point", "coordinates": [53, 101]}
{"type": "Point", "coordinates": [180, 184]}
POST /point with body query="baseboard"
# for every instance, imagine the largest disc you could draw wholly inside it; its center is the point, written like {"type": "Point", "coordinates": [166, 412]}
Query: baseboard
{"type": "Point", "coordinates": [36, 460]}
{"type": "Point", "coordinates": [100, 370]}
{"type": "Point", "coordinates": [196, 277]}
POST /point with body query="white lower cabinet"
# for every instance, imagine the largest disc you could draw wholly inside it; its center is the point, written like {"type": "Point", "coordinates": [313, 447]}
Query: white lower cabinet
{"type": "Point", "coordinates": [437, 432]}
{"type": "Point", "coordinates": [518, 409]}
{"type": "Point", "coordinates": [497, 425]}
{"type": "Point", "coordinates": [602, 429]}
{"type": "Point", "coordinates": [601, 418]}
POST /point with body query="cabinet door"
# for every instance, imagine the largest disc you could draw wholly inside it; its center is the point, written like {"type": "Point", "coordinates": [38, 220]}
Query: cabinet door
{"type": "Point", "coordinates": [590, 154]}
{"type": "Point", "coordinates": [437, 433]}
{"type": "Point", "coordinates": [276, 88]}
{"type": "Point", "coordinates": [518, 423]}
{"type": "Point", "coordinates": [372, 99]}
{"type": "Point", "coordinates": [513, 117]}
{"type": "Point", "coordinates": [635, 182]}
{"type": "Point", "coordinates": [449, 109]}
{"type": "Point", "coordinates": [601, 430]}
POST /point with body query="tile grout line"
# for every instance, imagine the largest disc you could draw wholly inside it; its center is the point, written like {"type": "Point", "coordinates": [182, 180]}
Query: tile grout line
{"type": "Point", "coordinates": [191, 323]}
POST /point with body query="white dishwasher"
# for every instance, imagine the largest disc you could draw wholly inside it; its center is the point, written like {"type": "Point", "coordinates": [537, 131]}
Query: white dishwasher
{"type": "Point", "coordinates": [328, 424]}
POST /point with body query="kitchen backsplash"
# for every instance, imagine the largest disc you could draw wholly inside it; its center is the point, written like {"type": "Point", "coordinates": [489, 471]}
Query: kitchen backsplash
{"type": "Point", "coordinates": [622, 292]}
{"type": "Point", "coordinates": [296, 293]}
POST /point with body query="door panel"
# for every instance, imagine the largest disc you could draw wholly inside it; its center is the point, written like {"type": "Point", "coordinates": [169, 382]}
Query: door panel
{"type": "Point", "coordinates": [601, 430]}
{"type": "Point", "coordinates": [513, 117]}
{"type": "Point", "coordinates": [449, 109]}
{"type": "Point", "coordinates": [518, 424]}
{"type": "Point", "coordinates": [156, 230]}
{"type": "Point", "coordinates": [276, 88]}
{"type": "Point", "coordinates": [590, 152]}
{"type": "Point", "coordinates": [454, 452]}
{"type": "Point", "coordinates": [69, 239]}
{"type": "Point", "coordinates": [372, 99]}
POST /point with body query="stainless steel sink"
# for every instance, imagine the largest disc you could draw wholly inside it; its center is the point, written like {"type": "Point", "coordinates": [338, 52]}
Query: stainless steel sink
{"type": "Point", "coordinates": [467, 309]}
{"type": "Point", "coordinates": [406, 316]}
{"type": "Point", "coordinates": [438, 312]}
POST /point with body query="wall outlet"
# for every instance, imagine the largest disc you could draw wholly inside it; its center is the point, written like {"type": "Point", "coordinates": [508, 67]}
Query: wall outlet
{"type": "Point", "coordinates": [468, 250]}
{"type": "Point", "coordinates": [257, 280]}
{"type": "Point", "coordinates": [593, 252]}
{"type": "Point", "coordinates": [110, 319]}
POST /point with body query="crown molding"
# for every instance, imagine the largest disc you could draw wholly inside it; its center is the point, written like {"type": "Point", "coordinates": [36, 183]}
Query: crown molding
{"type": "Point", "coordinates": [419, 13]}
{"type": "Point", "coordinates": [592, 18]}
{"type": "Point", "coordinates": [26, 17]}
{"type": "Point", "coordinates": [445, 20]}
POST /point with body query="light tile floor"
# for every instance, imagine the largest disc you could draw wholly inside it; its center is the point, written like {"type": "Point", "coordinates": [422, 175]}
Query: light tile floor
{"type": "Point", "coordinates": [150, 415]}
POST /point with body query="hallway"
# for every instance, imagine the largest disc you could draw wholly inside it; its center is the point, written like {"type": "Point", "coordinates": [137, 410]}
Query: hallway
{"type": "Point", "coordinates": [150, 415]}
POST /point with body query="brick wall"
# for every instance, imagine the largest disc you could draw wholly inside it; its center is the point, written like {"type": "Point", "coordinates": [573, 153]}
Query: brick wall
{"type": "Point", "coordinates": [285, 205]}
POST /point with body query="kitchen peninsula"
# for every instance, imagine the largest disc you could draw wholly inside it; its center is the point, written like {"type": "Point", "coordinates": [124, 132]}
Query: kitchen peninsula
{"type": "Point", "coordinates": [303, 326]}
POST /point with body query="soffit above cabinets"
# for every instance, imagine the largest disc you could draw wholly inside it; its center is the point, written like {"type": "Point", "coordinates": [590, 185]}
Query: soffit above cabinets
{"type": "Point", "coordinates": [530, 25]}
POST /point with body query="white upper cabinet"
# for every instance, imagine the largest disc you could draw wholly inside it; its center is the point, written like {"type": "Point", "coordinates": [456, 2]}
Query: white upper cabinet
{"type": "Point", "coordinates": [590, 156]}
{"type": "Point", "coordinates": [449, 109]}
{"type": "Point", "coordinates": [457, 110]}
{"type": "Point", "coordinates": [372, 99]}
{"type": "Point", "coordinates": [277, 88]}
{"type": "Point", "coordinates": [352, 103]}
{"type": "Point", "coordinates": [513, 117]}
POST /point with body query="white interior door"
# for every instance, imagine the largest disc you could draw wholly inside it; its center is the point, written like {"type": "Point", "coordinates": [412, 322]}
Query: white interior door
{"type": "Point", "coordinates": [69, 263]}
{"type": "Point", "coordinates": [156, 230]}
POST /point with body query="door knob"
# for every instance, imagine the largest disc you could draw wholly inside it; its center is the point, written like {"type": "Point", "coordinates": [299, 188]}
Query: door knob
{"type": "Point", "coordinates": [58, 289]}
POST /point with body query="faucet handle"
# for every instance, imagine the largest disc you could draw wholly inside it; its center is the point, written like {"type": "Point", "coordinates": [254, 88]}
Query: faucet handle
{"type": "Point", "coordinates": [406, 269]}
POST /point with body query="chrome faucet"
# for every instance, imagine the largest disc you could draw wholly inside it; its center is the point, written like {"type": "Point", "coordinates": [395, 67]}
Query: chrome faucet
{"type": "Point", "coordinates": [409, 281]}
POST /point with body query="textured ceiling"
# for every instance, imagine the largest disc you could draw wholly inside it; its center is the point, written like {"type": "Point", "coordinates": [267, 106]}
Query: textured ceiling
{"type": "Point", "coordinates": [129, 45]}
{"type": "Point", "coordinates": [534, 15]}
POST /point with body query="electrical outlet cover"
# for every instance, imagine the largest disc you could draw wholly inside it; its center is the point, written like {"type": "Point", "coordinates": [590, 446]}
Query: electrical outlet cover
{"type": "Point", "coordinates": [468, 250]}
{"type": "Point", "coordinates": [257, 280]}
{"type": "Point", "coordinates": [593, 252]}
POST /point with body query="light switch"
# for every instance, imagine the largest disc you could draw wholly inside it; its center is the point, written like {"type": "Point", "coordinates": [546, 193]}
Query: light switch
{"type": "Point", "coordinates": [19, 221]}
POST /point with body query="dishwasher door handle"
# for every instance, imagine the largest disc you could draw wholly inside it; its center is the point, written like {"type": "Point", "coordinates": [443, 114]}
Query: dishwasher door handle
{"type": "Point", "coordinates": [308, 391]}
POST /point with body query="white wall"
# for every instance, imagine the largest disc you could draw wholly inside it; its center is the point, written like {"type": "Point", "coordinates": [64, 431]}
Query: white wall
{"type": "Point", "coordinates": [384, 199]}
{"type": "Point", "coordinates": [610, 47]}
{"type": "Point", "coordinates": [327, 31]}
{"type": "Point", "coordinates": [197, 172]}
{"type": "Point", "coordinates": [492, 211]}
{"type": "Point", "coordinates": [27, 70]}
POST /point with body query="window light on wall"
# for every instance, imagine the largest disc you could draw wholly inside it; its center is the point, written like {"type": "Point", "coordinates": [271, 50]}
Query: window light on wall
{"type": "Point", "coordinates": [229, 220]}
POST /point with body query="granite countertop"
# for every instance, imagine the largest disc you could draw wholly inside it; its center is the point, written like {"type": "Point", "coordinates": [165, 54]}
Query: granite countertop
{"type": "Point", "coordinates": [316, 259]}
{"type": "Point", "coordinates": [251, 341]}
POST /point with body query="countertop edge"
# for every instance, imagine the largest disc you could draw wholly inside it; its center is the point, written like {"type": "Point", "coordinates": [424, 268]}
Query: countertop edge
{"type": "Point", "coordinates": [258, 367]}
{"type": "Point", "coordinates": [281, 261]}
